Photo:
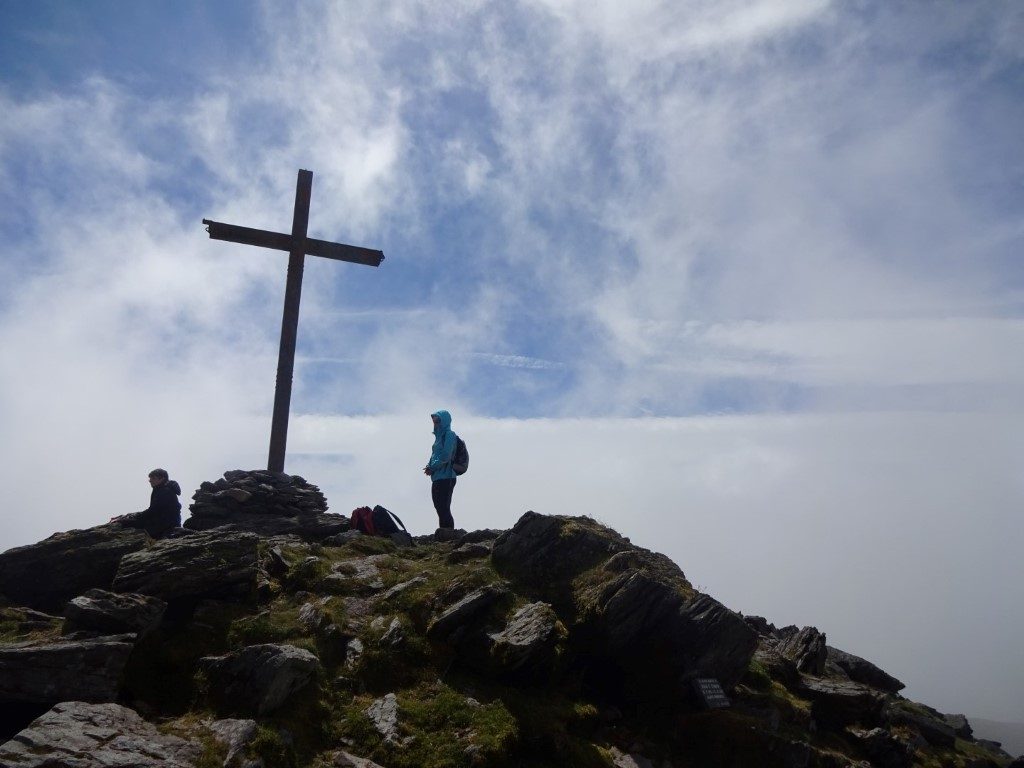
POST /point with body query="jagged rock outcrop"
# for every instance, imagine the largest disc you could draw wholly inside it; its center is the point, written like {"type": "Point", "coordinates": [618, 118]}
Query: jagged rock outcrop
{"type": "Point", "coordinates": [926, 721]}
{"type": "Point", "coordinates": [361, 574]}
{"type": "Point", "coordinates": [861, 671]}
{"type": "Point", "coordinates": [264, 502]}
{"type": "Point", "coordinates": [960, 726]}
{"type": "Point", "coordinates": [46, 575]}
{"type": "Point", "coordinates": [469, 552]}
{"type": "Point", "coordinates": [452, 624]}
{"type": "Point", "coordinates": [527, 646]}
{"type": "Point", "coordinates": [311, 527]}
{"type": "Point", "coordinates": [215, 562]}
{"type": "Point", "coordinates": [807, 649]}
{"type": "Point", "coordinates": [556, 642]}
{"type": "Point", "coordinates": [108, 613]}
{"type": "Point", "coordinates": [51, 671]}
{"type": "Point", "coordinates": [776, 665]}
{"type": "Point", "coordinates": [761, 625]}
{"type": "Point", "coordinates": [545, 553]}
{"type": "Point", "coordinates": [77, 734]}
{"type": "Point", "coordinates": [626, 603]}
{"type": "Point", "coordinates": [259, 678]}
{"type": "Point", "coordinates": [839, 703]}
{"type": "Point", "coordinates": [234, 734]}
{"type": "Point", "coordinates": [882, 749]}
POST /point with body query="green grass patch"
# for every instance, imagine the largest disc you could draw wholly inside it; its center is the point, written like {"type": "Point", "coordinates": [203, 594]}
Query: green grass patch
{"type": "Point", "coordinates": [275, 624]}
{"type": "Point", "coordinates": [757, 676]}
{"type": "Point", "coordinates": [369, 545]}
{"type": "Point", "coordinates": [193, 728]}
{"type": "Point", "coordinates": [271, 749]}
{"type": "Point", "coordinates": [306, 574]}
{"type": "Point", "coordinates": [973, 751]}
{"type": "Point", "coordinates": [556, 730]}
{"type": "Point", "coordinates": [18, 626]}
{"type": "Point", "coordinates": [382, 670]}
{"type": "Point", "coordinates": [439, 727]}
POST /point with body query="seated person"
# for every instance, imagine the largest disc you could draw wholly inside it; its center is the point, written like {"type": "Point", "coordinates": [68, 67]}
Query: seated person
{"type": "Point", "coordinates": [164, 512]}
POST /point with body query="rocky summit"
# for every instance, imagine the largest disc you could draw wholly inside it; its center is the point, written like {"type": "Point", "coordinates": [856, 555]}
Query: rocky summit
{"type": "Point", "coordinates": [266, 634]}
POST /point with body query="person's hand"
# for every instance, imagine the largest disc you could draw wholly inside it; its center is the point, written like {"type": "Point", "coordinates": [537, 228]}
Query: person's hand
{"type": "Point", "coordinates": [427, 471]}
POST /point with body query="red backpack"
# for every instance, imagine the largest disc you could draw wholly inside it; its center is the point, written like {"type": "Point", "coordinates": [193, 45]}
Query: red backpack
{"type": "Point", "coordinates": [376, 522]}
{"type": "Point", "coordinates": [362, 520]}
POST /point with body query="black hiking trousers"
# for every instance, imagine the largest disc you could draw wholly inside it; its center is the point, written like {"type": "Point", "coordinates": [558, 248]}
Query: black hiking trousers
{"type": "Point", "coordinates": [441, 494]}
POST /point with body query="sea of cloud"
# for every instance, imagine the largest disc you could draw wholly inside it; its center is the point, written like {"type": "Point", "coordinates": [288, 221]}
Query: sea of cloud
{"type": "Point", "coordinates": [739, 279]}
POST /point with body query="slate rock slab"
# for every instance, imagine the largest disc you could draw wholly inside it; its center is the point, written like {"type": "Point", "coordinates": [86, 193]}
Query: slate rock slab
{"type": "Point", "coordinates": [108, 613]}
{"type": "Point", "coordinates": [46, 575]}
{"type": "Point", "coordinates": [543, 552]}
{"type": "Point", "coordinates": [806, 649]}
{"type": "Point", "coordinates": [482, 534]}
{"type": "Point", "coordinates": [622, 759]}
{"type": "Point", "coordinates": [307, 526]}
{"type": "Point", "coordinates": [234, 734]}
{"type": "Point", "coordinates": [359, 574]}
{"type": "Point", "coordinates": [862, 671]}
{"type": "Point", "coordinates": [776, 665]}
{"type": "Point", "coordinates": [930, 724]}
{"type": "Point", "coordinates": [206, 564]}
{"type": "Point", "coordinates": [839, 703]}
{"type": "Point", "coordinates": [468, 552]}
{"type": "Point", "coordinates": [77, 734]}
{"type": "Point", "coordinates": [343, 759]}
{"type": "Point", "coordinates": [630, 608]}
{"type": "Point", "coordinates": [259, 678]}
{"type": "Point", "coordinates": [25, 621]}
{"type": "Point", "coordinates": [882, 748]}
{"type": "Point", "coordinates": [454, 621]}
{"type": "Point", "coordinates": [528, 643]}
{"type": "Point", "coordinates": [383, 713]}
{"type": "Point", "coordinates": [960, 725]}
{"type": "Point", "coordinates": [52, 671]}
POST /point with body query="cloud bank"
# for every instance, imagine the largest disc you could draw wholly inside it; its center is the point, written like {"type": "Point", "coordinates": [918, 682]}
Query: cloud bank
{"type": "Point", "coordinates": [741, 279]}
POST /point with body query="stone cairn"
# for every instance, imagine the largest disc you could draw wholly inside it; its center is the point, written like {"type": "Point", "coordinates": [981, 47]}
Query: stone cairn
{"type": "Point", "coordinates": [256, 492]}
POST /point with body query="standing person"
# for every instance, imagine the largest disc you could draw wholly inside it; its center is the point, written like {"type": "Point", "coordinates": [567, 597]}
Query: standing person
{"type": "Point", "coordinates": [439, 468]}
{"type": "Point", "coordinates": [164, 511]}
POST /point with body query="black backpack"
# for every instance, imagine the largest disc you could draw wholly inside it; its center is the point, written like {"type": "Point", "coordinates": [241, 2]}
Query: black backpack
{"type": "Point", "coordinates": [376, 521]}
{"type": "Point", "coordinates": [460, 458]}
{"type": "Point", "coordinates": [383, 524]}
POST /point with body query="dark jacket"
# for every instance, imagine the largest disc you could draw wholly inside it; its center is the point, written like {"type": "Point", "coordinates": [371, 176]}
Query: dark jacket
{"type": "Point", "coordinates": [163, 514]}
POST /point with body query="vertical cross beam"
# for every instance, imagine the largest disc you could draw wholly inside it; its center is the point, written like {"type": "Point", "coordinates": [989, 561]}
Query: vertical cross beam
{"type": "Point", "coordinates": [298, 246]}
{"type": "Point", "coordinates": [290, 323]}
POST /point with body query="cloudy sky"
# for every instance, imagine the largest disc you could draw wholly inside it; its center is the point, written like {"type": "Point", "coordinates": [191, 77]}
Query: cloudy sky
{"type": "Point", "coordinates": [742, 280]}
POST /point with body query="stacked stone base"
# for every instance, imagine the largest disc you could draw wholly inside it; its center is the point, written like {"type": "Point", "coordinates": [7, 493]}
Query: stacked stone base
{"type": "Point", "coordinates": [268, 503]}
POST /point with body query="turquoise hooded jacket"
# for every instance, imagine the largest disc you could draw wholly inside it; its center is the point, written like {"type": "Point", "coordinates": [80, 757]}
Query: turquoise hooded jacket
{"type": "Point", "coordinates": [443, 450]}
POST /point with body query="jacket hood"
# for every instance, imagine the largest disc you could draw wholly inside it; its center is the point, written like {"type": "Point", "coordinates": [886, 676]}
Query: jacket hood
{"type": "Point", "coordinates": [444, 421]}
{"type": "Point", "coordinates": [173, 485]}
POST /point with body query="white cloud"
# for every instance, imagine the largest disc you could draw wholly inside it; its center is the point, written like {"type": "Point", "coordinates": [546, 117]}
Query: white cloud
{"type": "Point", "coordinates": [519, 361]}
{"type": "Point", "coordinates": [616, 209]}
{"type": "Point", "coordinates": [884, 353]}
{"type": "Point", "coordinates": [878, 529]}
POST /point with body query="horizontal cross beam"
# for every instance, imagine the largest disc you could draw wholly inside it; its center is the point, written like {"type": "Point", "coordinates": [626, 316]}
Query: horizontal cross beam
{"type": "Point", "coordinates": [232, 233]}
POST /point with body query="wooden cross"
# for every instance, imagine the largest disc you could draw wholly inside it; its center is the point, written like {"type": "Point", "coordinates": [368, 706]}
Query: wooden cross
{"type": "Point", "coordinates": [297, 245]}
